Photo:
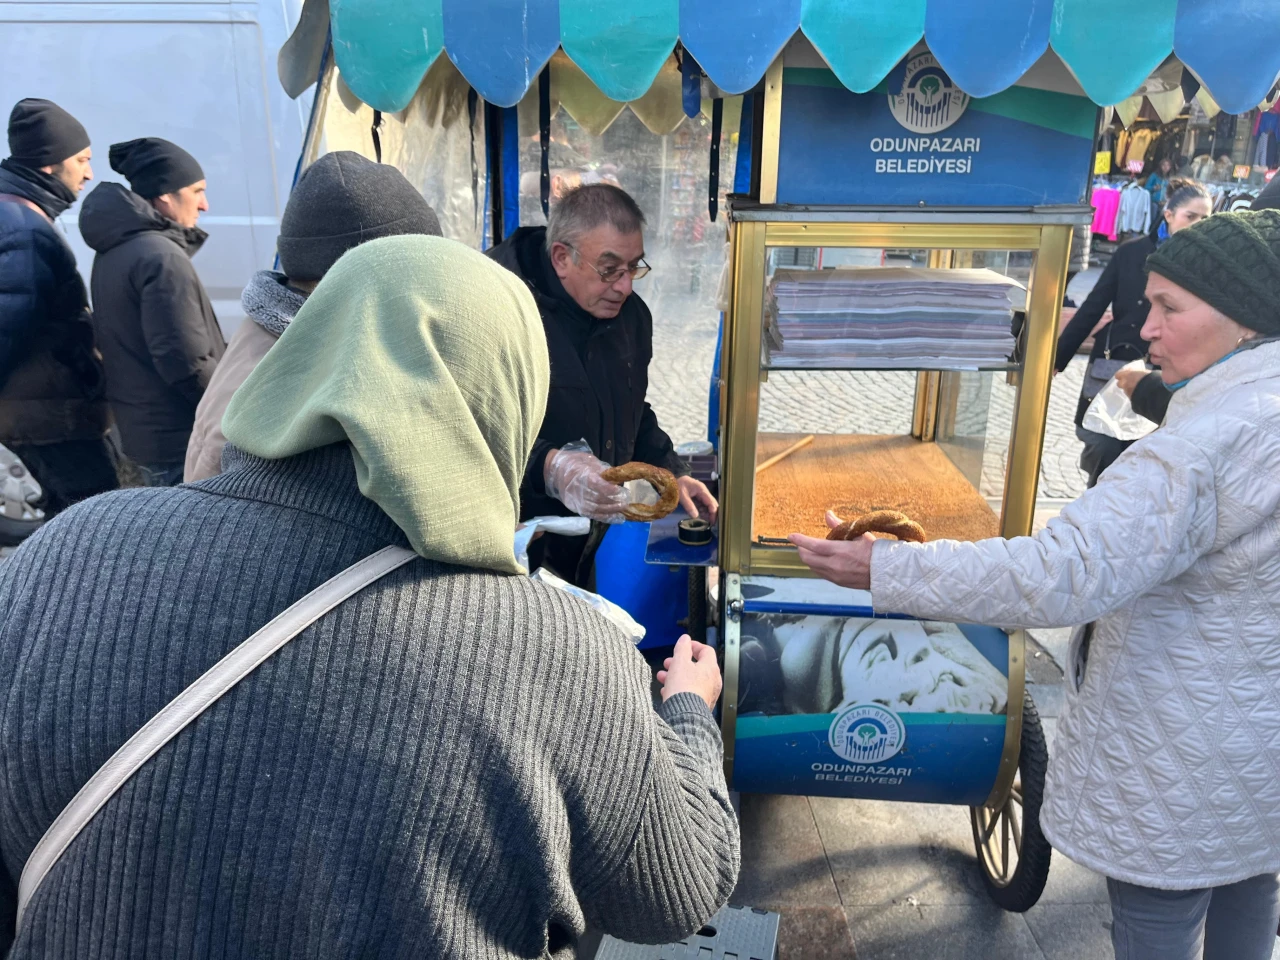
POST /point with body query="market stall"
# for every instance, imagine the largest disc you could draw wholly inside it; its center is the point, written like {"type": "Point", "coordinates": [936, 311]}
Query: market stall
{"type": "Point", "coordinates": [900, 194]}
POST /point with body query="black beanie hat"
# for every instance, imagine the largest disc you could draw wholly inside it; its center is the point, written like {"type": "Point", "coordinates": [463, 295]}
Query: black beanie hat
{"type": "Point", "coordinates": [1231, 261]}
{"type": "Point", "coordinates": [41, 134]}
{"type": "Point", "coordinates": [341, 201]}
{"type": "Point", "coordinates": [153, 166]}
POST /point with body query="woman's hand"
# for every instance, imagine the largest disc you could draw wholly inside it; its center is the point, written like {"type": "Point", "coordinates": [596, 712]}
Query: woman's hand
{"type": "Point", "coordinates": [1128, 380]}
{"type": "Point", "coordinates": [691, 668]}
{"type": "Point", "coordinates": [844, 562]}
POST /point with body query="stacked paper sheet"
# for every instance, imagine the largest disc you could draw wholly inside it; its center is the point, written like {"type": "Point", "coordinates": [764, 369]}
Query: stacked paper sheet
{"type": "Point", "coordinates": [890, 317]}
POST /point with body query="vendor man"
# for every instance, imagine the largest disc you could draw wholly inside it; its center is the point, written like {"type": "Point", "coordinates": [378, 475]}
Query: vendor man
{"type": "Point", "coordinates": [580, 268]}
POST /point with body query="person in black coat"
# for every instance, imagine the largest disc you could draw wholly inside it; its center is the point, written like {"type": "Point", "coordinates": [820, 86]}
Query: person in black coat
{"type": "Point", "coordinates": [1122, 287]}
{"type": "Point", "coordinates": [156, 328]}
{"type": "Point", "coordinates": [580, 268]}
{"type": "Point", "coordinates": [53, 409]}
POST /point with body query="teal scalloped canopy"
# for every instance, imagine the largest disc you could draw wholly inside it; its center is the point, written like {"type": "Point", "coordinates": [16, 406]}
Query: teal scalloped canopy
{"type": "Point", "coordinates": [384, 47]}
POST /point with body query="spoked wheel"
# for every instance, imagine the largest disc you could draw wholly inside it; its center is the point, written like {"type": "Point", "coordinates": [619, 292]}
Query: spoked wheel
{"type": "Point", "coordinates": [1012, 852]}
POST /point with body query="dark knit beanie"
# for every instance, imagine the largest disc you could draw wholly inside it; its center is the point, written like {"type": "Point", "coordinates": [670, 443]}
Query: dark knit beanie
{"type": "Point", "coordinates": [1232, 262]}
{"type": "Point", "coordinates": [153, 166]}
{"type": "Point", "coordinates": [41, 134]}
{"type": "Point", "coordinates": [341, 201]}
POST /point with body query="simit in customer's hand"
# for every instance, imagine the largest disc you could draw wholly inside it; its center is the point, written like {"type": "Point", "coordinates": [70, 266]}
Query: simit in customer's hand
{"type": "Point", "coordinates": [691, 668]}
{"type": "Point", "coordinates": [845, 562]}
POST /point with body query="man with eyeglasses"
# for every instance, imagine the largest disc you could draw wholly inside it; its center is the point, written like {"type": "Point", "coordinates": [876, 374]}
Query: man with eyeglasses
{"type": "Point", "coordinates": [580, 268]}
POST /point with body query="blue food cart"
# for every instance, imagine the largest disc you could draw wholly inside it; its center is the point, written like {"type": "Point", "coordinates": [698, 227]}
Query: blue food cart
{"type": "Point", "coordinates": [899, 216]}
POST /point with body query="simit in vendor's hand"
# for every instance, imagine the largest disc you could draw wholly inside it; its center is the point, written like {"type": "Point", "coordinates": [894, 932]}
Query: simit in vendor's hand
{"type": "Point", "coordinates": [846, 562]}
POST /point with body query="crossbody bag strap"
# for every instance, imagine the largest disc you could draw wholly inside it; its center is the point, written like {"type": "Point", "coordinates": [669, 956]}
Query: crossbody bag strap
{"type": "Point", "coordinates": [189, 704]}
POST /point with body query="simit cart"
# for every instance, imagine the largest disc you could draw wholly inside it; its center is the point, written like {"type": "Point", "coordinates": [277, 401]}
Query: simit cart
{"type": "Point", "coordinates": [934, 182]}
{"type": "Point", "coordinates": [888, 344]}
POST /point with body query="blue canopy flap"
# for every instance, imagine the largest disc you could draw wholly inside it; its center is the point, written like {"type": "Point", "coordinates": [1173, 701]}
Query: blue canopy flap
{"type": "Point", "coordinates": [383, 48]}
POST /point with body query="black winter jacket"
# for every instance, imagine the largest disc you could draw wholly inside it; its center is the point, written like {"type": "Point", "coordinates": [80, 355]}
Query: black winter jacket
{"type": "Point", "coordinates": [51, 383]}
{"type": "Point", "coordinates": [1151, 398]}
{"type": "Point", "coordinates": [599, 380]}
{"type": "Point", "coordinates": [1122, 287]}
{"type": "Point", "coordinates": [597, 394]}
{"type": "Point", "coordinates": [159, 338]}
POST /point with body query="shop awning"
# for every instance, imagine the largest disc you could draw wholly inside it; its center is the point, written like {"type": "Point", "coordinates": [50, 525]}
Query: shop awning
{"type": "Point", "coordinates": [383, 48]}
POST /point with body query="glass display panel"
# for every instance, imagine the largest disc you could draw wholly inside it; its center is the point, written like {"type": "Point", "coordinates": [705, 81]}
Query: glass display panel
{"type": "Point", "coordinates": [888, 382]}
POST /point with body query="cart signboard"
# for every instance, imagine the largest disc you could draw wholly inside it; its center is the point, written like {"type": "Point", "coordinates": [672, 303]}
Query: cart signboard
{"type": "Point", "coordinates": [917, 139]}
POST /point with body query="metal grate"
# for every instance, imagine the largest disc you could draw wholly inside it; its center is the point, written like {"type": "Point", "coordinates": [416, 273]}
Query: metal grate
{"type": "Point", "coordinates": [735, 933]}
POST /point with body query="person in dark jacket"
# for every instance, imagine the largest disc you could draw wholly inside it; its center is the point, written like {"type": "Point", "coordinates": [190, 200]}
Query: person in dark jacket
{"type": "Point", "coordinates": [600, 334]}
{"type": "Point", "coordinates": [53, 408]}
{"type": "Point", "coordinates": [1269, 198]}
{"type": "Point", "coordinates": [156, 328]}
{"type": "Point", "coordinates": [1122, 287]}
{"type": "Point", "coordinates": [458, 763]}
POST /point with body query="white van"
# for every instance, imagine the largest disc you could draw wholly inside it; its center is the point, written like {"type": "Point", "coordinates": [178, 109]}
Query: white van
{"type": "Point", "coordinates": [202, 74]}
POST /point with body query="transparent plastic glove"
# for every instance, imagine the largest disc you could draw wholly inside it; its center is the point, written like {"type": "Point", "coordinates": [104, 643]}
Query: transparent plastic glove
{"type": "Point", "coordinates": [573, 478]}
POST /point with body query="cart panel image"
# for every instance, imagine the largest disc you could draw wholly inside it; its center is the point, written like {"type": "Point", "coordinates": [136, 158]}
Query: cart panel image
{"type": "Point", "coordinates": [832, 698]}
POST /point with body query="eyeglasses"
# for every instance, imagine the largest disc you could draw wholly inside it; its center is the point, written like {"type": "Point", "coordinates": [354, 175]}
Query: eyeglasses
{"type": "Point", "coordinates": [614, 274]}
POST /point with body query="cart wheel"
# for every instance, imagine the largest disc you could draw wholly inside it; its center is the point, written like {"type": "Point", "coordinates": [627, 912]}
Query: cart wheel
{"type": "Point", "coordinates": [1012, 852]}
{"type": "Point", "coordinates": [696, 624]}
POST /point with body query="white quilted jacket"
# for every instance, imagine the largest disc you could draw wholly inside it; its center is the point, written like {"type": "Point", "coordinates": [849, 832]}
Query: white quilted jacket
{"type": "Point", "coordinates": [1166, 767]}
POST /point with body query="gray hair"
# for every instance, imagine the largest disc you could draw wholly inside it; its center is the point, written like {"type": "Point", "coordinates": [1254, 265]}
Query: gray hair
{"type": "Point", "coordinates": [584, 208]}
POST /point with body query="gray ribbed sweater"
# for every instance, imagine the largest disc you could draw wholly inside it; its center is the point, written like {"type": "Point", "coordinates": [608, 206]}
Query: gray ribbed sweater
{"type": "Point", "coordinates": [452, 764]}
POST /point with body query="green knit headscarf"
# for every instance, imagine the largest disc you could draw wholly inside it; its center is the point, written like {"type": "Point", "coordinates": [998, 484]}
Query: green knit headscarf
{"type": "Point", "coordinates": [430, 360]}
{"type": "Point", "coordinates": [1231, 261]}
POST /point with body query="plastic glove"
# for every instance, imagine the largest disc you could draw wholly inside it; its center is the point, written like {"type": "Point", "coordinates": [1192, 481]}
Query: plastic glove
{"type": "Point", "coordinates": [573, 478]}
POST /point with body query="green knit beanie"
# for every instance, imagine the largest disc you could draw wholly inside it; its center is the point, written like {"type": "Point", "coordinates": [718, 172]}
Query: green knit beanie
{"type": "Point", "coordinates": [1232, 262]}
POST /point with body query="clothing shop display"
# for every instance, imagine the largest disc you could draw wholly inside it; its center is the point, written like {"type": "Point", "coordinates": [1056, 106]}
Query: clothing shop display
{"type": "Point", "coordinates": [1224, 131]}
{"type": "Point", "coordinates": [1135, 210]}
{"type": "Point", "coordinates": [1133, 145]}
{"type": "Point", "coordinates": [1202, 168]}
{"type": "Point", "coordinates": [1106, 205]}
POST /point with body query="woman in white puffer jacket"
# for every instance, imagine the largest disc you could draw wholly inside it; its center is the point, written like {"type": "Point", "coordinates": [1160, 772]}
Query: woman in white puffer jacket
{"type": "Point", "coordinates": [1165, 775]}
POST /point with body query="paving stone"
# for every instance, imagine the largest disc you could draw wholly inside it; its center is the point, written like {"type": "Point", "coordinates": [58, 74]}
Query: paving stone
{"type": "Point", "coordinates": [1073, 885]}
{"type": "Point", "coordinates": [909, 931]}
{"type": "Point", "coordinates": [815, 933]}
{"type": "Point", "coordinates": [783, 860]}
{"type": "Point", "coordinates": [1071, 931]}
{"type": "Point", "coordinates": [1054, 642]}
{"type": "Point", "coordinates": [884, 852]}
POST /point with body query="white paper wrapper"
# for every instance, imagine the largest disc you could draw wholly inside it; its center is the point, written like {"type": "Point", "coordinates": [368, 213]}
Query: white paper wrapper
{"type": "Point", "coordinates": [1112, 414]}
{"type": "Point", "coordinates": [565, 526]}
{"type": "Point", "coordinates": [607, 608]}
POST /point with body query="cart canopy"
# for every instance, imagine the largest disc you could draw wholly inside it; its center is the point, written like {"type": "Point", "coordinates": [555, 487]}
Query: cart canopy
{"type": "Point", "coordinates": [1112, 50]}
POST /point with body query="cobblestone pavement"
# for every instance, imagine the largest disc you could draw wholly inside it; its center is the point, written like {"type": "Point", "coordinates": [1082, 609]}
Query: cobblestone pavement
{"type": "Point", "coordinates": [863, 402]}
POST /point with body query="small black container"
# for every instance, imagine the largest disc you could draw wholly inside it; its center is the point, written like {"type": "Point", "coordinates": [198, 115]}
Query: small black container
{"type": "Point", "coordinates": [694, 532]}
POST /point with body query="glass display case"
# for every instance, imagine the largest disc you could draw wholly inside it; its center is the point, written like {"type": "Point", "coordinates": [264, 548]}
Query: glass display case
{"type": "Point", "coordinates": [884, 366]}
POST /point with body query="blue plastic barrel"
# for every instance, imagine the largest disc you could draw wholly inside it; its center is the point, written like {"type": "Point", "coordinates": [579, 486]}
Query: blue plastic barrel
{"type": "Point", "coordinates": [656, 595]}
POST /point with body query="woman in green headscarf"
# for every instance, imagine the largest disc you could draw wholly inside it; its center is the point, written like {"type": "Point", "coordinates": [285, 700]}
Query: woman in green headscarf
{"type": "Point", "coordinates": [457, 762]}
{"type": "Point", "coordinates": [434, 369]}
